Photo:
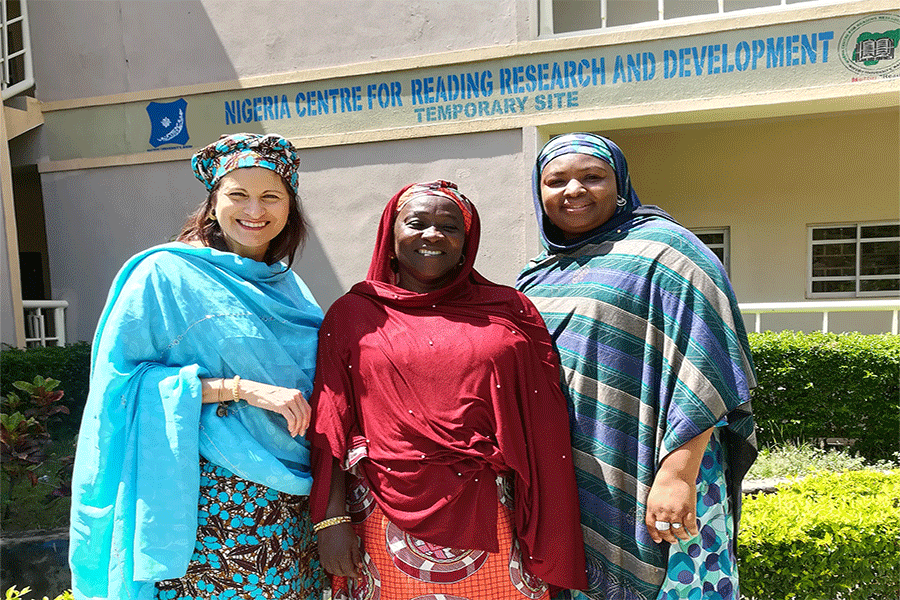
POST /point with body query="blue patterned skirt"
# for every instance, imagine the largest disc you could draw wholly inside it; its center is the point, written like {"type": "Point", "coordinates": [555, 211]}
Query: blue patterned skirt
{"type": "Point", "coordinates": [705, 567]}
{"type": "Point", "coordinates": [252, 542]}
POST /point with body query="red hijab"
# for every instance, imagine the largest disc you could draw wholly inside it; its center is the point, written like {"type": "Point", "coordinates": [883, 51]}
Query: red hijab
{"type": "Point", "coordinates": [432, 395]}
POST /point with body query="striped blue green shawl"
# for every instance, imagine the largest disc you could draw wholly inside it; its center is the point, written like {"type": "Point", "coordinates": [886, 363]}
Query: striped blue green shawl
{"type": "Point", "coordinates": [654, 352]}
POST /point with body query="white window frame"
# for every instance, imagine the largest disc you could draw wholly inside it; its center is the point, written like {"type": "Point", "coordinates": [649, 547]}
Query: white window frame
{"type": "Point", "coordinates": [545, 14]}
{"type": "Point", "coordinates": [11, 88]}
{"type": "Point", "coordinates": [856, 277]}
{"type": "Point", "coordinates": [726, 243]}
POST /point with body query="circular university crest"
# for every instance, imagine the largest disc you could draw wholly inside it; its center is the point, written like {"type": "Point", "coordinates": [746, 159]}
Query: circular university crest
{"type": "Point", "coordinates": [870, 46]}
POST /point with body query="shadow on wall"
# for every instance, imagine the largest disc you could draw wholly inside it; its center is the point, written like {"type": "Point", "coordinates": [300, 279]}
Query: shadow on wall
{"type": "Point", "coordinates": [89, 49]}
{"type": "Point", "coordinates": [317, 272]}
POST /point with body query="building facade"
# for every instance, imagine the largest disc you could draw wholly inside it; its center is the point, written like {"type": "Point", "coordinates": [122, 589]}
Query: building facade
{"type": "Point", "coordinates": [771, 129]}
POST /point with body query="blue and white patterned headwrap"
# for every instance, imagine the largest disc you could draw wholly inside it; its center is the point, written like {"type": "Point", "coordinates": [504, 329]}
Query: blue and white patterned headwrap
{"type": "Point", "coordinates": [575, 143]}
{"type": "Point", "coordinates": [242, 150]}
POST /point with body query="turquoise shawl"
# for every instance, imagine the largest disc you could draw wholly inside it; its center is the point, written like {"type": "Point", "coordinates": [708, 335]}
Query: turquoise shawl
{"type": "Point", "coordinates": [177, 313]}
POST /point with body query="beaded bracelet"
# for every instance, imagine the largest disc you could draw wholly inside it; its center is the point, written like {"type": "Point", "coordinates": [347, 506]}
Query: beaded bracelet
{"type": "Point", "coordinates": [235, 389]}
{"type": "Point", "coordinates": [222, 409]}
{"type": "Point", "coordinates": [329, 522]}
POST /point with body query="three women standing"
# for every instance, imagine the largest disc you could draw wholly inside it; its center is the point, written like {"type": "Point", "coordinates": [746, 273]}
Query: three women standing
{"type": "Point", "coordinates": [206, 348]}
{"type": "Point", "coordinates": [438, 393]}
{"type": "Point", "coordinates": [444, 462]}
{"type": "Point", "coordinates": [657, 370]}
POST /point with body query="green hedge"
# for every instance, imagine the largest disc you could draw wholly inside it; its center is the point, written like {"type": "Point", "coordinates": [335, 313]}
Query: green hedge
{"type": "Point", "coordinates": [821, 385]}
{"type": "Point", "coordinates": [69, 364]}
{"type": "Point", "coordinates": [826, 537]}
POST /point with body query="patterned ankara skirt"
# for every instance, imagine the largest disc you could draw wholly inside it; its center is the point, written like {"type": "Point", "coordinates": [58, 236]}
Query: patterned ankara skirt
{"type": "Point", "coordinates": [252, 542]}
{"type": "Point", "coordinates": [398, 566]}
{"type": "Point", "coordinates": [704, 567]}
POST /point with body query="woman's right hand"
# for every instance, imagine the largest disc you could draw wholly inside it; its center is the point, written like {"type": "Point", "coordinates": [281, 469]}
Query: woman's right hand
{"type": "Point", "coordinates": [287, 402]}
{"type": "Point", "coordinates": [339, 551]}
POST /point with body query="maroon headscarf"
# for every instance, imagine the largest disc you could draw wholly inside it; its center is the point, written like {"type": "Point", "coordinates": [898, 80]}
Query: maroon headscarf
{"type": "Point", "coordinates": [432, 395]}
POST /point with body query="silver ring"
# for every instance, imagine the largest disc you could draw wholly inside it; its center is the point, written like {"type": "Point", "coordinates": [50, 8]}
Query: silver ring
{"type": "Point", "coordinates": [676, 526]}
{"type": "Point", "coordinates": [662, 525]}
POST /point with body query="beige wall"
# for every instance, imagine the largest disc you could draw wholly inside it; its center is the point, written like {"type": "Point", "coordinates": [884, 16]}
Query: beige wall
{"type": "Point", "coordinates": [7, 314]}
{"type": "Point", "coordinates": [767, 180]}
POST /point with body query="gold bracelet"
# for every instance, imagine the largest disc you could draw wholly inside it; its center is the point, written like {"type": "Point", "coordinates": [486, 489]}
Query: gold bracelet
{"type": "Point", "coordinates": [235, 389]}
{"type": "Point", "coordinates": [329, 522]}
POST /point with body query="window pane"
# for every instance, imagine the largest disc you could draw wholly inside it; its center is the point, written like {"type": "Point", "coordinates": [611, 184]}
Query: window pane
{"type": "Point", "coordinates": [626, 12]}
{"type": "Point", "coordinates": [744, 4]}
{"type": "Point", "coordinates": [14, 37]}
{"type": "Point", "coordinates": [879, 285]}
{"type": "Point", "coordinates": [712, 239]}
{"type": "Point", "coordinates": [833, 286]}
{"type": "Point", "coordinates": [13, 9]}
{"type": "Point", "coordinates": [834, 233]}
{"type": "Point", "coordinates": [880, 258]}
{"type": "Point", "coordinates": [834, 260]}
{"type": "Point", "coordinates": [17, 69]}
{"type": "Point", "coordinates": [575, 15]}
{"type": "Point", "coordinates": [687, 8]}
{"type": "Point", "coordinates": [878, 231]}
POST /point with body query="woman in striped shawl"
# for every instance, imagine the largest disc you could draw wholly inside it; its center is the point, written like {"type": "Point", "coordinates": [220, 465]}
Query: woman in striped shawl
{"type": "Point", "coordinates": [657, 371]}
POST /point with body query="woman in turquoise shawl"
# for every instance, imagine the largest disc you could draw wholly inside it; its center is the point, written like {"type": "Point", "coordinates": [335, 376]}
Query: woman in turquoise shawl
{"type": "Point", "coordinates": [192, 473]}
{"type": "Point", "coordinates": [657, 371]}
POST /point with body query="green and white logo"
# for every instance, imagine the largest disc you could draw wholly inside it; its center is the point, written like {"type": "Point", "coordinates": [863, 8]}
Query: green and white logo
{"type": "Point", "coordinates": [870, 46]}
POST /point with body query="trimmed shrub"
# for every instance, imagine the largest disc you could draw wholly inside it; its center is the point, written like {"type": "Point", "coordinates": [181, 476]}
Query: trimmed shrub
{"type": "Point", "coordinates": [826, 537]}
{"type": "Point", "coordinates": [821, 385]}
{"type": "Point", "coordinates": [69, 364]}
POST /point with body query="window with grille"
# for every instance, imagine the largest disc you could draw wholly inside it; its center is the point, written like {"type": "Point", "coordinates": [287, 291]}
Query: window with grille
{"type": "Point", "coordinates": [15, 54]}
{"type": "Point", "coordinates": [854, 260]}
{"type": "Point", "coordinates": [717, 240]}
{"type": "Point", "coordinates": [564, 16]}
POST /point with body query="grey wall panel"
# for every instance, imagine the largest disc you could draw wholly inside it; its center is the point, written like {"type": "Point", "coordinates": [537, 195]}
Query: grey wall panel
{"type": "Point", "coordinates": [95, 48]}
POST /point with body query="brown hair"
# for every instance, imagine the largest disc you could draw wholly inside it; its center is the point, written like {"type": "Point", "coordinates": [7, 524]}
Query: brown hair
{"type": "Point", "coordinates": [199, 226]}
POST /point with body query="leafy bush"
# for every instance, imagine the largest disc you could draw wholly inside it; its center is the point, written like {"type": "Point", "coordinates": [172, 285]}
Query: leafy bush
{"type": "Point", "coordinates": [794, 460]}
{"type": "Point", "coordinates": [828, 537]}
{"type": "Point", "coordinates": [821, 385]}
{"type": "Point", "coordinates": [15, 594]}
{"type": "Point", "coordinates": [69, 364]}
{"type": "Point", "coordinates": [27, 459]}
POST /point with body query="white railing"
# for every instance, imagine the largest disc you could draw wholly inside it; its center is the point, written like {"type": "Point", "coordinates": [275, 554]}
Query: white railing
{"type": "Point", "coordinates": [822, 306]}
{"type": "Point", "coordinates": [38, 315]}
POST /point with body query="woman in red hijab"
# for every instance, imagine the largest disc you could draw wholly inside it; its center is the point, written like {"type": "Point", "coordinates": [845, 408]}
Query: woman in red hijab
{"type": "Point", "coordinates": [442, 460]}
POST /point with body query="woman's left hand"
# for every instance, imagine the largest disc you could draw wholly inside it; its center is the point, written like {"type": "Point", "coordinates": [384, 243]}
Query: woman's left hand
{"type": "Point", "coordinates": [672, 500]}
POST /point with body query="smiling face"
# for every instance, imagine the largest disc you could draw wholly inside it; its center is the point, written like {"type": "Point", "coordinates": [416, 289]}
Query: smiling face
{"type": "Point", "coordinates": [578, 192]}
{"type": "Point", "coordinates": [429, 235]}
{"type": "Point", "coordinates": [252, 206]}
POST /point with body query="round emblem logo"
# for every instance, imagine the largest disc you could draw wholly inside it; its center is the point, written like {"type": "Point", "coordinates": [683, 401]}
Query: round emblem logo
{"type": "Point", "coordinates": [869, 46]}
